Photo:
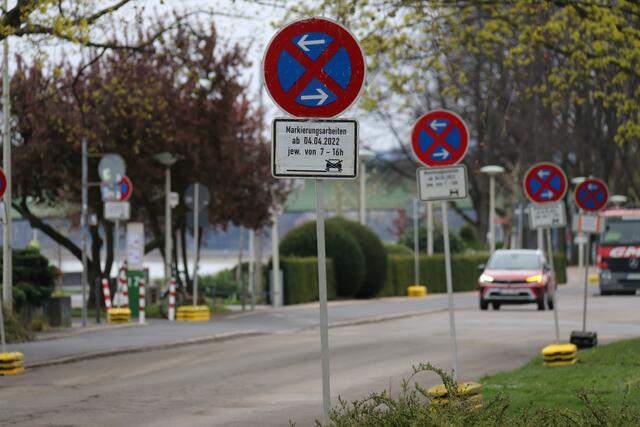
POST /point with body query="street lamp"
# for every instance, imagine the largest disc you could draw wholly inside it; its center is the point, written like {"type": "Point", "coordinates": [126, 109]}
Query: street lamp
{"type": "Point", "coordinates": [365, 155]}
{"type": "Point", "coordinates": [492, 171]}
{"type": "Point", "coordinates": [167, 160]}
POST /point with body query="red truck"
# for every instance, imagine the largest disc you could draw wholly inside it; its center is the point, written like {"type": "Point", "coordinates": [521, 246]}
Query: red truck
{"type": "Point", "coordinates": [618, 252]}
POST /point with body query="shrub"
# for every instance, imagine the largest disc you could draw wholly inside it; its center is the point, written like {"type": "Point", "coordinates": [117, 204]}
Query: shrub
{"type": "Point", "coordinates": [397, 249]}
{"type": "Point", "coordinates": [14, 330]}
{"type": "Point", "coordinates": [301, 279]}
{"type": "Point", "coordinates": [375, 257]}
{"type": "Point", "coordinates": [341, 247]}
{"type": "Point", "coordinates": [33, 278]}
{"type": "Point", "coordinates": [464, 268]}
{"type": "Point", "coordinates": [224, 281]}
{"type": "Point", "coordinates": [455, 243]}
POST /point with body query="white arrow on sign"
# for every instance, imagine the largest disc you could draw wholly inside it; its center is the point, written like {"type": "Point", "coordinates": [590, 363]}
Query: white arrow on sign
{"type": "Point", "coordinates": [444, 154]}
{"type": "Point", "coordinates": [436, 124]}
{"type": "Point", "coordinates": [546, 194]}
{"type": "Point", "coordinates": [303, 42]}
{"type": "Point", "coordinates": [544, 173]}
{"type": "Point", "coordinates": [321, 96]}
{"type": "Point", "coordinates": [592, 187]}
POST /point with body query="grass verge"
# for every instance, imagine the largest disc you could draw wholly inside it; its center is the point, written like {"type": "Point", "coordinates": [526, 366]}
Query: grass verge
{"type": "Point", "coordinates": [610, 374]}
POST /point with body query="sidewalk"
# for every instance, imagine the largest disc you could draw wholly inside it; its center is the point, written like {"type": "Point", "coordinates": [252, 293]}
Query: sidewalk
{"type": "Point", "coordinates": [103, 340]}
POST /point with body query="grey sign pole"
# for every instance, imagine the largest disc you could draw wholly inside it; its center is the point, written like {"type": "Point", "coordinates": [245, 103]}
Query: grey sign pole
{"type": "Point", "coordinates": [586, 280]}
{"type": "Point", "coordinates": [322, 291]}
{"type": "Point", "coordinates": [7, 255]}
{"type": "Point", "coordinates": [83, 227]}
{"type": "Point", "coordinates": [416, 244]}
{"type": "Point", "coordinates": [555, 294]}
{"type": "Point", "coordinates": [429, 228]}
{"type": "Point", "coordinates": [196, 214]}
{"type": "Point", "coordinates": [447, 267]}
{"type": "Point", "coordinates": [116, 243]}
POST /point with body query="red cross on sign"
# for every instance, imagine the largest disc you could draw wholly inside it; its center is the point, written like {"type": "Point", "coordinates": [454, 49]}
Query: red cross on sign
{"type": "Point", "coordinates": [314, 68]}
{"type": "Point", "coordinates": [591, 195]}
{"type": "Point", "coordinates": [440, 138]}
{"type": "Point", "coordinates": [545, 183]}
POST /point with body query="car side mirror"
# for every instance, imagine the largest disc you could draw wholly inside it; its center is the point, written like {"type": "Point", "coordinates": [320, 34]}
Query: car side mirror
{"type": "Point", "coordinates": [481, 267]}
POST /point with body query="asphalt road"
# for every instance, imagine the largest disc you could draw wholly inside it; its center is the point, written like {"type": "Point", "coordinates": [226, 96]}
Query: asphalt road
{"type": "Point", "coordinates": [270, 379]}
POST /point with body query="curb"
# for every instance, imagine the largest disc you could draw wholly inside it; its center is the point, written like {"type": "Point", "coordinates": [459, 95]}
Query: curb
{"type": "Point", "coordinates": [90, 329]}
{"type": "Point", "coordinates": [143, 349]}
{"type": "Point", "coordinates": [224, 337]}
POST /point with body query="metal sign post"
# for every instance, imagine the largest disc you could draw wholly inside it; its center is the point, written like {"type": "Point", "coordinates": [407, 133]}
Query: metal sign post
{"type": "Point", "coordinates": [416, 245]}
{"type": "Point", "coordinates": [196, 214]}
{"type": "Point", "coordinates": [591, 196]}
{"type": "Point", "coordinates": [322, 292]}
{"type": "Point", "coordinates": [440, 140]}
{"type": "Point", "coordinates": [553, 273]}
{"type": "Point", "coordinates": [447, 267]}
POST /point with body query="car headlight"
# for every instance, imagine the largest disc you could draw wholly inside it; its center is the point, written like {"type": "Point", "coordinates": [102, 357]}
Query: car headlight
{"type": "Point", "coordinates": [605, 274]}
{"type": "Point", "coordinates": [486, 278]}
{"type": "Point", "coordinates": [534, 279]}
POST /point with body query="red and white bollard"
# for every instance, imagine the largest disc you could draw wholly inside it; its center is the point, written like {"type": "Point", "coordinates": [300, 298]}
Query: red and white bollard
{"type": "Point", "coordinates": [124, 289]}
{"type": "Point", "coordinates": [172, 299]}
{"type": "Point", "coordinates": [106, 292]}
{"type": "Point", "coordinates": [141, 301]}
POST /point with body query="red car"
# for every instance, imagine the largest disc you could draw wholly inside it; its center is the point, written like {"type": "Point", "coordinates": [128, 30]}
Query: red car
{"type": "Point", "coordinates": [516, 276]}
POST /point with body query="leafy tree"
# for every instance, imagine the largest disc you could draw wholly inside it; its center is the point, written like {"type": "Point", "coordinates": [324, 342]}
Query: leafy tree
{"type": "Point", "coordinates": [185, 96]}
{"type": "Point", "coordinates": [552, 80]}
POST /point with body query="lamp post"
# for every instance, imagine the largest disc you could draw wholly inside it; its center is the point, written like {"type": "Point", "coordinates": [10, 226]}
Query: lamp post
{"type": "Point", "coordinates": [167, 160]}
{"type": "Point", "coordinates": [365, 155]}
{"type": "Point", "coordinates": [492, 171]}
{"type": "Point", "coordinates": [580, 237]}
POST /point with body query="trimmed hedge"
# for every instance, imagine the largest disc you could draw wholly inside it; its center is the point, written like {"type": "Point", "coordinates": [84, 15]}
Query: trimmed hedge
{"type": "Point", "coordinates": [33, 277]}
{"type": "Point", "coordinates": [464, 268]}
{"type": "Point", "coordinates": [301, 279]}
{"type": "Point", "coordinates": [397, 249]}
{"type": "Point", "coordinates": [375, 257]}
{"type": "Point", "coordinates": [341, 247]}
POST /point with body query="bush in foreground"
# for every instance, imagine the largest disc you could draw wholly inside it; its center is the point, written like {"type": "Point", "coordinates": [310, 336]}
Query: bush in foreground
{"type": "Point", "coordinates": [412, 408]}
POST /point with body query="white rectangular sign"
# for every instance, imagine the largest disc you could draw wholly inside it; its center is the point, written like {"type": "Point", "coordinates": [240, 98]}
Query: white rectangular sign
{"type": "Point", "coordinates": [135, 245]}
{"type": "Point", "coordinates": [547, 215]}
{"type": "Point", "coordinates": [3, 212]}
{"type": "Point", "coordinates": [445, 183]}
{"type": "Point", "coordinates": [314, 148]}
{"type": "Point", "coordinates": [587, 224]}
{"type": "Point", "coordinates": [116, 210]}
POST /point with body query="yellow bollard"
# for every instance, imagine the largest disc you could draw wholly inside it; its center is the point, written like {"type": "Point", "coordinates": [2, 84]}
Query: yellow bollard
{"type": "Point", "coordinates": [193, 313]}
{"type": "Point", "coordinates": [560, 354]}
{"type": "Point", "coordinates": [417, 291]}
{"type": "Point", "coordinates": [11, 363]}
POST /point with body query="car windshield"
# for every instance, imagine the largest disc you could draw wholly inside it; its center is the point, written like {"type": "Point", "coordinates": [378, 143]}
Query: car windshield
{"type": "Point", "coordinates": [621, 231]}
{"type": "Point", "coordinates": [514, 261]}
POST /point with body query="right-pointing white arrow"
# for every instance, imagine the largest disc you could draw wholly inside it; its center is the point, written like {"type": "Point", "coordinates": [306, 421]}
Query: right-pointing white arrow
{"type": "Point", "coordinates": [321, 96]}
{"type": "Point", "coordinates": [444, 154]}
{"type": "Point", "coordinates": [303, 42]}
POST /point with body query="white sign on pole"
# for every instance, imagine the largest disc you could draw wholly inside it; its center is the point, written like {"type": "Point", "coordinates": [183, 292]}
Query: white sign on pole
{"type": "Point", "coordinates": [174, 199]}
{"type": "Point", "coordinates": [444, 183]}
{"type": "Point", "coordinates": [306, 148]}
{"type": "Point", "coordinates": [116, 210]}
{"type": "Point", "coordinates": [587, 224]}
{"type": "Point", "coordinates": [135, 245]}
{"type": "Point", "coordinates": [547, 215]}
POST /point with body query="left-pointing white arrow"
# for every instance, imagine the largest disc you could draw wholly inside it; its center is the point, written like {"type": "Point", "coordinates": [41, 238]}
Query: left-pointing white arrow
{"type": "Point", "coordinates": [321, 96]}
{"type": "Point", "coordinates": [303, 42]}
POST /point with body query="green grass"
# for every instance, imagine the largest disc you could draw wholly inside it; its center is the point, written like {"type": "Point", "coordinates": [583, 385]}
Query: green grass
{"type": "Point", "coordinates": [609, 375]}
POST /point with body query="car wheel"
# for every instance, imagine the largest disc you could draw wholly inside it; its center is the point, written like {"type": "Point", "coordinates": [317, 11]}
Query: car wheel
{"type": "Point", "coordinates": [541, 306]}
{"type": "Point", "coordinates": [484, 304]}
{"type": "Point", "coordinates": [549, 301]}
{"type": "Point", "coordinates": [605, 293]}
{"type": "Point", "coordinates": [495, 305]}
